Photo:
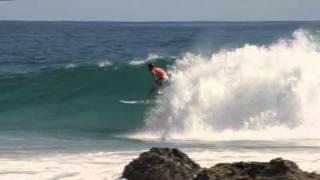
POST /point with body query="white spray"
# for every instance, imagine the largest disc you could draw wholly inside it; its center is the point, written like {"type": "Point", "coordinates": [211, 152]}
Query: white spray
{"type": "Point", "coordinates": [247, 93]}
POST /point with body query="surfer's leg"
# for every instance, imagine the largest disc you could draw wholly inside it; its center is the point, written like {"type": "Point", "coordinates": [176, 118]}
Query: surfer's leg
{"type": "Point", "coordinates": [151, 92]}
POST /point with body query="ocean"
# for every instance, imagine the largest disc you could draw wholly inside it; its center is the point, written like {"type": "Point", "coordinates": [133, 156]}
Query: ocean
{"type": "Point", "coordinates": [238, 91]}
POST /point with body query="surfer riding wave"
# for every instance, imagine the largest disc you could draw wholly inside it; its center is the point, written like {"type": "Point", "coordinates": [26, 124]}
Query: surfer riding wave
{"type": "Point", "coordinates": [160, 77]}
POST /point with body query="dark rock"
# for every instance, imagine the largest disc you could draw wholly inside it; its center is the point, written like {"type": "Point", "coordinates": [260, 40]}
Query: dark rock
{"type": "Point", "coordinates": [172, 164]}
{"type": "Point", "coordinates": [277, 169]}
{"type": "Point", "coordinates": [161, 164]}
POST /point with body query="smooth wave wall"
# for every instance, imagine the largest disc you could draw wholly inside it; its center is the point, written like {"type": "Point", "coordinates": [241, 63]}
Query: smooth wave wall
{"type": "Point", "coordinates": [76, 97]}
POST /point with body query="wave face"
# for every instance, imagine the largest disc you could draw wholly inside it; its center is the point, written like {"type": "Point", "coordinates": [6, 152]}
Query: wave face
{"type": "Point", "coordinates": [253, 92]}
{"type": "Point", "coordinates": [83, 98]}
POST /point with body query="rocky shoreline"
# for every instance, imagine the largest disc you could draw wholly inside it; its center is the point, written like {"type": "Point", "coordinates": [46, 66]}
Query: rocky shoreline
{"type": "Point", "coordinates": [172, 164]}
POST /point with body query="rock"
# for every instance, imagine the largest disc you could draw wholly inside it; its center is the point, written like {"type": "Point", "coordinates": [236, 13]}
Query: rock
{"type": "Point", "coordinates": [172, 164]}
{"type": "Point", "coordinates": [277, 169]}
{"type": "Point", "coordinates": [161, 164]}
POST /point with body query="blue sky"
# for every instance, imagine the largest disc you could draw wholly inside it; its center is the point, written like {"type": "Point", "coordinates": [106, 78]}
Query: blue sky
{"type": "Point", "coordinates": [160, 10]}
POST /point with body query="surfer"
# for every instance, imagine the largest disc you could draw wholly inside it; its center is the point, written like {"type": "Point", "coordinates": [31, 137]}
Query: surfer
{"type": "Point", "coordinates": [160, 76]}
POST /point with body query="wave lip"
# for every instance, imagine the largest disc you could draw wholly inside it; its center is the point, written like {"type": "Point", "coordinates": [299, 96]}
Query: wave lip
{"type": "Point", "coordinates": [151, 57]}
{"type": "Point", "coordinates": [105, 63]}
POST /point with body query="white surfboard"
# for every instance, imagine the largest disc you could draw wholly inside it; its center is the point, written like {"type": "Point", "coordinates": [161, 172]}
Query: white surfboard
{"type": "Point", "coordinates": [132, 102]}
{"type": "Point", "coordinates": [136, 102]}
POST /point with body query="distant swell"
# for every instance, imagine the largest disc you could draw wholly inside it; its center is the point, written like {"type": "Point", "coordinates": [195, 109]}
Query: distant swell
{"type": "Point", "coordinates": [253, 92]}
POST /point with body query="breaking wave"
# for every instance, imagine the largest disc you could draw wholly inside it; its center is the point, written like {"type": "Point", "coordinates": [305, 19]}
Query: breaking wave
{"type": "Point", "coordinates": [253, 92]}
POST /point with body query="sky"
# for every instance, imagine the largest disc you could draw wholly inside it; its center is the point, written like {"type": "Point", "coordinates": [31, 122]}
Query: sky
{"type": "Point", "coordinates": [160, 10]}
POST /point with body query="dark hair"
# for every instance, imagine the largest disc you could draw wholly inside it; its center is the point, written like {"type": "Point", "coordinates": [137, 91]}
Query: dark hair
{"type": "Point", "coordinates": [150, 65]}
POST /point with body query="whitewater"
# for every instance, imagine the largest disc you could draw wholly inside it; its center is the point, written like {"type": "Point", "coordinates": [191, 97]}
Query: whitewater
{"type": "Point", "coordinates": [237, 92]}
{"type": "Point", "coordinates": [249, 93]}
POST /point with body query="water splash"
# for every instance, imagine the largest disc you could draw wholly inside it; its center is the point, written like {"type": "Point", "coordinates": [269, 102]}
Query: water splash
{"type": "Point", "coordinates": [247, 93]}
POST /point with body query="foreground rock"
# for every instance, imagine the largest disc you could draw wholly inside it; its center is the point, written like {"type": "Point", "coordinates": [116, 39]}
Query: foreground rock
{"type": "Point", "coordinates": [161, 164]}
{"type": "Point", "coordinates": [172, 164]}
{"type": "Point", "coordinates": [277, 169]}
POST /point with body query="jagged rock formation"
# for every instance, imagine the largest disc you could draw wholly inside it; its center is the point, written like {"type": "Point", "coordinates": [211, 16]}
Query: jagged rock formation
{"type": "Point", "coordinates": [172, 164]}
{"type": "Point", "coordinates": [277, 169]}
{"type": "Point", "coordinates": [161, 164]}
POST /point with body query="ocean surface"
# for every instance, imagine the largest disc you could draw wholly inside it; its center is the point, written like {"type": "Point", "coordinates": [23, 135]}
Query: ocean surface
{"type": "Point", "coordinates": [238, 91]}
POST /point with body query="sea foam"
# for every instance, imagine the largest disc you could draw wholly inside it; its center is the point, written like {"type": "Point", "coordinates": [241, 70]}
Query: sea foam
{"type": "Point", "coordinates": [253, 92]}
{"type": "Point", "coordinates": [151, 57]}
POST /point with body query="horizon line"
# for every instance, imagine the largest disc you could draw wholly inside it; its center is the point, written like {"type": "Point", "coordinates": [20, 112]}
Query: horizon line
{"type": "Point", "coordinates": [160, 21]}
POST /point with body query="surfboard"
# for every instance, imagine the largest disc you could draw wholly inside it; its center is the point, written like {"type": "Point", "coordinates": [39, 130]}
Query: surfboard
{"type": "Point", "coordinates": [132, 102]}
{"type": "Point", "coordinates": [135, 102]}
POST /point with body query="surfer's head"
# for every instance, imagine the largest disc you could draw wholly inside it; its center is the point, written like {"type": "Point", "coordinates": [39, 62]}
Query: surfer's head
{"type": "Point", "coordinates": [150, 66]}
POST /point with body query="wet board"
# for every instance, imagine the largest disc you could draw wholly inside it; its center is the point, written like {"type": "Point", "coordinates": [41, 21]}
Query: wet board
{"type": "Point", "coordinates": [137, 102]}
{"type": "Point", "coordinates": [132, 102]}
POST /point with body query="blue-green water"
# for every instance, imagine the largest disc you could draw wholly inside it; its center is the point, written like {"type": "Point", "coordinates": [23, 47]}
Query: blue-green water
{"type": "Point", "coordinates": [237, 89]}
{"type": "Point", "coordinates": [71, 75]}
